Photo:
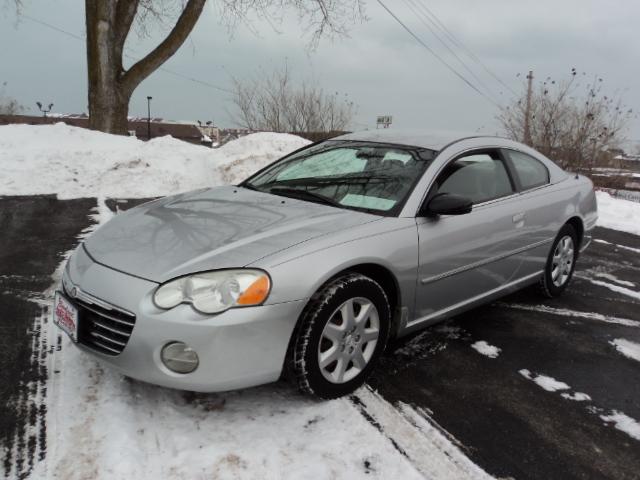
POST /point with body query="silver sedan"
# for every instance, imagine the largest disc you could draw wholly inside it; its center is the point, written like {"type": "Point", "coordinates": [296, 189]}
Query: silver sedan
{"type": "Point", "coordinates": [314, 263]}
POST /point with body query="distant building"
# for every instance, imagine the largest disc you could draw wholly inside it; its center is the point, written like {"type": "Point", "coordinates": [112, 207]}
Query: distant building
{"type": "Point", "coordinates": [137, 126]}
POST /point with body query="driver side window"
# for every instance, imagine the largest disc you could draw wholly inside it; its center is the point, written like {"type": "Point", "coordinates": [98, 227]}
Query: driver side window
{"type": "Point", "coordinates": [477, 176]}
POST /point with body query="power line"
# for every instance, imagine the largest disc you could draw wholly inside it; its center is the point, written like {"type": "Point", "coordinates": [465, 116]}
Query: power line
{"type": "Point", "coordinates": [438, 57]}
{"type": "Point", "coordinates": [163, 69]}
{"type": "Point", "coordinates": [453, 38]}
{"type": "Point", "coordinates": [431, 26]}
{"type": "Point", "coordinates": [52, 27]}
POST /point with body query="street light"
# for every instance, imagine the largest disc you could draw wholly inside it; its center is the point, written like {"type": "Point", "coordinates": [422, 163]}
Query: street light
{"type": "Point", "coordinates": [44, 110]}
{"type": "Point", "coordinates": [149, 118]}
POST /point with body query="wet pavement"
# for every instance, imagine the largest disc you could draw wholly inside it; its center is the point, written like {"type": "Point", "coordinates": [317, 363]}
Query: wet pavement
{"type": "Point", "coordinates": [506, 422]}
{"type": "Point", "coordinates": [496, 408]}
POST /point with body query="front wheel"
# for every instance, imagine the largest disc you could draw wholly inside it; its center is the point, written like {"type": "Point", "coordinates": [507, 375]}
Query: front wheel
{"type": "Point", "coordinates": [561, 262]}
{"type": "Point", "coordinates": [343, 330]}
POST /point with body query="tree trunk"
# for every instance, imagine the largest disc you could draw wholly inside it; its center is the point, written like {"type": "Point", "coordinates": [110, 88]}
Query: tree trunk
{"type": "Point", "coordinates": [108, 23]}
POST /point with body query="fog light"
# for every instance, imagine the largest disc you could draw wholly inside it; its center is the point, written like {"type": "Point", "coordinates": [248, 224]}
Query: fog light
{"type": "Point", "coordinates": [179, 357]}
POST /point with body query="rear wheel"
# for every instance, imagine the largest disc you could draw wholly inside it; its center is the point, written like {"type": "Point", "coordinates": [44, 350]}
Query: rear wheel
{"type": "Point", "coordinates": [561, 262]}
{"type": "Point", "coordinates": [343, 330]}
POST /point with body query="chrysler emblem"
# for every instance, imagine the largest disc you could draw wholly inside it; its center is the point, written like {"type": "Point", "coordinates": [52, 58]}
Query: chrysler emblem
{"type": "Point", "coordinates": [74, 292]}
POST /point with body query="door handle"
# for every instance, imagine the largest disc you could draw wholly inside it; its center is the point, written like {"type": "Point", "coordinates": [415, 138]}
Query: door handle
{"type": "Point", "coordinates": [518, 217]}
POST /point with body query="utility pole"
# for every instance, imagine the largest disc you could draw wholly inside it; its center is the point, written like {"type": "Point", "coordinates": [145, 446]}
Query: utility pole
{"type": "Point", "coordinates": [149, 118]}
{"type": "Point", "coordinates": [527, 112]}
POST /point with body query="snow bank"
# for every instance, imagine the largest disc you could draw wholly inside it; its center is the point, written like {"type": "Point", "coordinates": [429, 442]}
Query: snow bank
{"type": "Point", "coordinates": [75, 162]}
{"type": "Point", "coordinates": [618, 214]}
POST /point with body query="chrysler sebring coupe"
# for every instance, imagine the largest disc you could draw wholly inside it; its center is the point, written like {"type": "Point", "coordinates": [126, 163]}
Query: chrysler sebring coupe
{"type": "Point", "coordinates": [313, 264]}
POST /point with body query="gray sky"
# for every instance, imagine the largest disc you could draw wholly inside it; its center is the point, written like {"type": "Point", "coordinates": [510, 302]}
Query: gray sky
{"type": "Point", "coordinates": [380, 66]}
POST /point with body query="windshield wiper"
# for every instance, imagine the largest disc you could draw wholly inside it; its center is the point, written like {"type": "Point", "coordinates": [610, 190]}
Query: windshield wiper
{"type": "Point", "coordinates": [248, 186]}
{"type": "Point", "coordinates": [305, 195]}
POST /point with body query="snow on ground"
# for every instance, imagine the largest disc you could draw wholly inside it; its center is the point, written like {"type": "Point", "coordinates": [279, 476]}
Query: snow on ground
{"type": "Point", "coordinates": [618, 214]}
{"type": "Point", "coordinates": [432, 450]}
{"type": "Point", "coordinates": [613, 278]}
{"type": "Point", "coordinates": [486, 349]}
{"type": "Point", "coordinates": [627, 348]}
{"type": "Point", "coordinates": [624, 423]}
{"type": "Point", "coordinates": [620, 420]}
{"type": "Point", "coordinates": [614, 288]}
{"type": "Point", "coordinates": [615, 245]}
{"type": "Point", "coordinates": [576, 396]}
{"type": "Point", "coordinates": [572, 313]}
{"type": "Point", "coordinates": [550, 384]}
{"type": "Point", "coordinates": [75, 162]}
{"type": "Point", "coordinates": [102, 425]}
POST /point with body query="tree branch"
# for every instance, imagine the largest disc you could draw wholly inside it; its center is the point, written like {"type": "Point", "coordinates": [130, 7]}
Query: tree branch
{"type": "Point", "coordinates": [125, 14]}
{"type": "Point", "coordinates": [143, 68]}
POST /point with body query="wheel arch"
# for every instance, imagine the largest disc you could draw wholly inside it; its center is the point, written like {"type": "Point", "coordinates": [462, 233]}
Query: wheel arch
{"type": "Point", "coordinates": [578, 225]}
{"type": "Point", "coordinates": [377, 272]}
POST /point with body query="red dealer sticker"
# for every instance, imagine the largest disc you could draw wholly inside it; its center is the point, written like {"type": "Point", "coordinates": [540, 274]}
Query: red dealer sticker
{"type": "Point", "coordinates": [65, 316]}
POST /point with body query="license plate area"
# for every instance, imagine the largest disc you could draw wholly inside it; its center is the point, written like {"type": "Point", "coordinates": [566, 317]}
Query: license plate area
{"type": "Point", "coordinates": [65, 316]}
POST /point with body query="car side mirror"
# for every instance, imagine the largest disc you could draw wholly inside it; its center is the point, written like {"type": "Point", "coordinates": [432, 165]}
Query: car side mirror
{"type": "Point", "coordinates": [447, 204]}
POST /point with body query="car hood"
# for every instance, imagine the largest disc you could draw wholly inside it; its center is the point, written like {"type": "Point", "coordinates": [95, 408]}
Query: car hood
{"type": "Point", "coordinates": [223, 227]}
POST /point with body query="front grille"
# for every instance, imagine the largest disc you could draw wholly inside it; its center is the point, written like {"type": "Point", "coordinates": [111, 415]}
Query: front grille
{"type": "Point", "coordinates": [102, 327]}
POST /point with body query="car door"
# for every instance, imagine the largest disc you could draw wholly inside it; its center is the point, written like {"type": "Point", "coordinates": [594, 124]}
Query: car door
{"type": "Point", "coordinates": [464, 257]}
{"type": "Point", "coordinates": [544, 208]}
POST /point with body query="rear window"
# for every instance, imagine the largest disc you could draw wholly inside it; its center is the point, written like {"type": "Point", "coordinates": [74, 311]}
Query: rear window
{"type": "Point", "coordinates": [530, 171]}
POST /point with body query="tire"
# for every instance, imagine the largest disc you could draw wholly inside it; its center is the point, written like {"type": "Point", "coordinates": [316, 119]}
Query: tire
{"type": "Point", "coordinates": [563, 256]}
{"type": "Point", "coordinates": [338, 326]}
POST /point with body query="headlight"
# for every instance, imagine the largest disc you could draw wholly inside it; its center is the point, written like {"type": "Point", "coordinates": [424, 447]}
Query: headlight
{"type": "Point", "coordinates": [214, 292]}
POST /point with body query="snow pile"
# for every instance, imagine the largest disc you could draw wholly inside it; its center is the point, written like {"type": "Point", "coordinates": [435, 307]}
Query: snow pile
{"type": "Point", "coordinates": [618, 214]}
{"type": "Point", "coordinates": [75, 162]}
{"type": "Point", "coordinates": [109, 427]}
{"type": "Point", "coordinates": [627, 348]}
{"type": "Point", "coordinates": [485, 349]}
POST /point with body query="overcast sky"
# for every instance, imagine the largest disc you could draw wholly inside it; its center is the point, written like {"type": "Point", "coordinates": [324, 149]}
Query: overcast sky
{"type": "Point", "coordinates": [379, 66]}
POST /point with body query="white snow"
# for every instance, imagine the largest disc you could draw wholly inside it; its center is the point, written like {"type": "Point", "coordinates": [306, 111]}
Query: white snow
{"type": "Point", "coordinates": [631, 249]}
{"type": "Point", "coordinates": [627, 348]}
{"type": "Point", "coordinates": [614, 288]}
{"type": "Point", "coordinates": [486, 349]}
{"type": "Point", "coordinates": [573, 313]}
{"type": "Point", "coordinates": [618, 214]}
{"type": "Point", "coordinates": [613, 278]}
{"type": "Point", "coordinates": [550, 384]}
{"type": "Point", "coordinates": [433, 451]}
{"type": "Point", "coordinates": [624, 423]}
{"type": "Point", "coordinates": [101, 425]}
{"type": "Point", "coordinates": [75, 162]}
{"type": "Point", "coordinates": [576, 397]}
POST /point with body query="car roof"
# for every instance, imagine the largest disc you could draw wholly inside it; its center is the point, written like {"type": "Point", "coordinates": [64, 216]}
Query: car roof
{"type": "Point", "coordinates": [431, 139]}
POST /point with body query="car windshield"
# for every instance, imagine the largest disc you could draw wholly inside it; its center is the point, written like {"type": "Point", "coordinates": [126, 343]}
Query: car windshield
{"type": "Point", "coordinates": [372, 177]}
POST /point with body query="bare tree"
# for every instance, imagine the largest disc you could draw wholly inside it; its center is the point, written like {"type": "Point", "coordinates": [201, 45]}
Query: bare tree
{"type": "Point", "coordinates": [108, 23]}
{"type": "Point", "coordinates": [274, 103]}
{"type": "Point", "coordinates": [574, 123]}
{"type": "Point", "coordinates": [8, 105]}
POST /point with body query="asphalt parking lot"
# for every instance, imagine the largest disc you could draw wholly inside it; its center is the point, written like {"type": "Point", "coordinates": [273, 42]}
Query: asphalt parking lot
{"type": "Point", "coordinates": [502, 411]}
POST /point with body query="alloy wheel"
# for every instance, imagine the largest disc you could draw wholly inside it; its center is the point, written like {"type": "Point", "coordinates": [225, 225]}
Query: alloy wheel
{"type": "Point", "coordinates": [348, 340]}
{"type": "Point", "coordinates": [562, 263]}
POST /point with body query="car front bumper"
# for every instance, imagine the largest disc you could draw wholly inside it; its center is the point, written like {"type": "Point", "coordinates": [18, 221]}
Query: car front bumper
{"type": "Point", "coordinates": [239, 348]}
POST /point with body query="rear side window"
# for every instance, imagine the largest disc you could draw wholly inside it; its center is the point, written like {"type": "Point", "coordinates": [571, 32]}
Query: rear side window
{"type": "Point", "coordinates": [479, 177]}
{"type": "Point", "coordinates": [531, 172]}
